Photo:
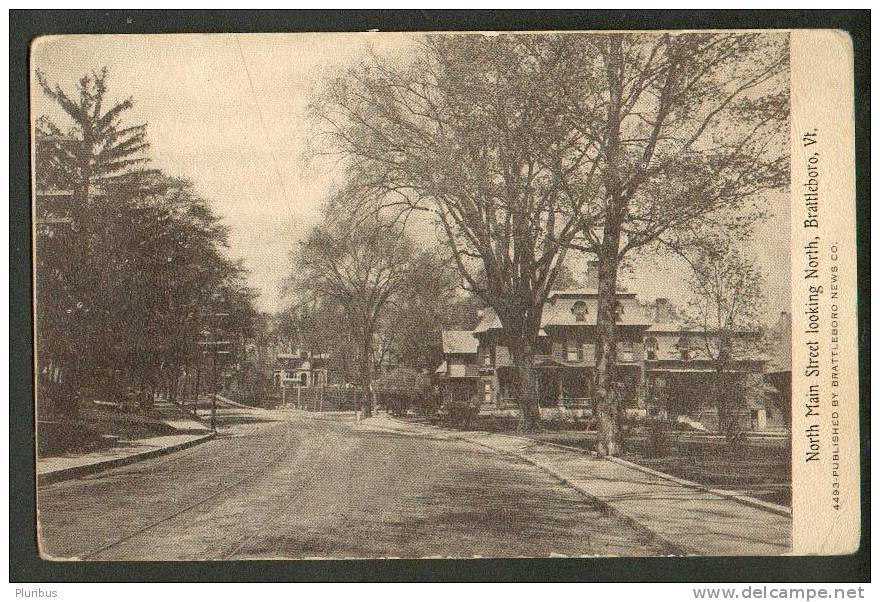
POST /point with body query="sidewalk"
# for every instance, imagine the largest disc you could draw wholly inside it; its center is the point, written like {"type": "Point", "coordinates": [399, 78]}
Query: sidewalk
{"type": "Point", "coordinates": [179, 417]}
{"type": "Point", "coordinates": [694, 520]}
{"type": "Point", "coordinates": [61, 468]}
{"type": "Point", "coordinates": [189, 432]}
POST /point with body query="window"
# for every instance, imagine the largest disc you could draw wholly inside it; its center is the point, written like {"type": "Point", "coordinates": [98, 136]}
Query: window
{"type": "Point", "coordinates": [627, 351]}
{"type": "Point", "coordinates": [303, 379]}
{"type": "Point", "coordinates": [651, 348]}
{"type": "Point", "coordinates": [579, 309]}
{"type": "Point", "coordinates": [487, 392]}
{"type": "Point", "coordinates": [487, 356]}
{"type": "Point", "coordinates": [574, 351]}
{"type": "Point", "coordinates": [684, 348]}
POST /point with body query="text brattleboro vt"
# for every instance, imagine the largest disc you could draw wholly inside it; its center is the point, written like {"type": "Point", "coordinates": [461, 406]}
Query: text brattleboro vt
{"type": "Point", "coordinates": [815, 402]}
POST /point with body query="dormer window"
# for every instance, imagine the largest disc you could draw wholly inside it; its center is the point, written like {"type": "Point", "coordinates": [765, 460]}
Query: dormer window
{"type": "Point", "coordinates": [651, 348]}
{"type": "Point", "coordinates": [579, 309]}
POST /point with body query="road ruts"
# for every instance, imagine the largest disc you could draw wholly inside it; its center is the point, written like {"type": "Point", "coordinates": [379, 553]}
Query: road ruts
{"type": "Point", "coordinates": [333, 491]}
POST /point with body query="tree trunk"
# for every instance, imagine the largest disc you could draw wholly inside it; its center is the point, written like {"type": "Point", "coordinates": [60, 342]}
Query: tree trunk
{"type": "Point", "coordinates": [609, 259]}
{"type": "Point", "coordinates": [367, 377]}
{"type": "Point", "coordinates": [523, 353]}
{"type": "Point", "coordinates": [198, 390]}
{"type": "Point", "coordinates": [606, 394]}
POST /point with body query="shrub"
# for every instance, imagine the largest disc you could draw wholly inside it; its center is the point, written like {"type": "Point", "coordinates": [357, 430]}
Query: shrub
{"type": "Point", "coordinates": [463, 413]}
{"type": "Point", "coordinates": [737, 444]}
{"type": "Point", "coordinates": [403, 388]}
{"type": "Point", "coordinates": [659, 441]}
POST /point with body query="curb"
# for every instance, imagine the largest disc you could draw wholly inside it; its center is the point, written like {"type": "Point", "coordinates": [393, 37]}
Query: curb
{"type": "Point", "coordinates": [235, 403]}
{"type": "Point", "coordinates": [64, 474]}
{"type": "Point", "coordinates": [724, 493]}
{"type": "Point", "coordinates": [608, 508]}
{"type": "Point", "coordinates": [674, 548]}
{"type": "Point", "coordinates": [730, 495]}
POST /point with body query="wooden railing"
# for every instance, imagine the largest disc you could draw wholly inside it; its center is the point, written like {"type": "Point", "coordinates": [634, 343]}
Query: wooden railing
{"type": "Point", "coordinates": [576, 403]}
{"type": "Point", "coordinates": [507, 403]}
{"type": "Point", "coordinates": [571, 403]}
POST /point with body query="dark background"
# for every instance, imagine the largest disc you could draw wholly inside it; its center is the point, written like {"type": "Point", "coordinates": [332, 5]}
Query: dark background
{"type": "Point", "coordinates": [24, 562]}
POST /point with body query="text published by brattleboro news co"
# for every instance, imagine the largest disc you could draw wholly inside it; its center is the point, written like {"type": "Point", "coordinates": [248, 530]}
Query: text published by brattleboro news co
{"type": "Point", "coordinates": [825, 402]}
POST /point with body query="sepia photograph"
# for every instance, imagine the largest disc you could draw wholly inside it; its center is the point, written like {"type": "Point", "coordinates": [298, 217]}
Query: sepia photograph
{"type": "Point", "coordinates": [422, 295]}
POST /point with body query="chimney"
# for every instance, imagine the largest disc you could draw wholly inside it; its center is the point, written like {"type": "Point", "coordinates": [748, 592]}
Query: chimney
{"type": "Point", "coordinates": [661, 310]}
{"type": "Point", "coordinates": [591, 278]}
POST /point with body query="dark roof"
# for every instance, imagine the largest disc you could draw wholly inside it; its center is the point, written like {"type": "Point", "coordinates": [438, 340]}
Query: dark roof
{"type": "Point", "coordinates": [558, 311]}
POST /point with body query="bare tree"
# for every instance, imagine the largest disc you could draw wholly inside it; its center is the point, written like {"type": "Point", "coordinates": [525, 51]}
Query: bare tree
{"type": "Point", "coordinates": [524, 146]}
{"type": "Point", "coordinates": [684, 134]}
{"type": "Point", "coordinates": [361, 267]}
{"type": "Point", "coordinates": [724, 313]}
{"type": "Point", "coordinates": [468, 132]}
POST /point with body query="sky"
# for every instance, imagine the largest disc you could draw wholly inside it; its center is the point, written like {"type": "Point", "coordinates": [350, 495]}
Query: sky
{"type": "Point", "coordinates": [228, 111]}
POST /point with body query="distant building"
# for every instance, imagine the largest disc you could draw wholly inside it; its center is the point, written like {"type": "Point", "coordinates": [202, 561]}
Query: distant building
{"type": "Point", "coordinates": [299, 369]}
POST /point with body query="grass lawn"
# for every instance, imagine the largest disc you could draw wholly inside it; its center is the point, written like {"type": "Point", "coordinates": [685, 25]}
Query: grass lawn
{"type": "Point", "coordinates": [95, 428]}
{"type": "Point", "coordinates": [760, 469]}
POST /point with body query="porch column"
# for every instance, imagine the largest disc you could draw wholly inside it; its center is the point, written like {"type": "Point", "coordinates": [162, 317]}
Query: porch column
{"type": "Point", "coordinates": [559, 391]}
{"type": "Point", "coordinates": [640, 387]}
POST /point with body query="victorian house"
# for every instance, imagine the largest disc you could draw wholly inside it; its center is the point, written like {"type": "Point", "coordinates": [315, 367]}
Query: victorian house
{"type": "Point", "coordinates": [299, 369]}
{"type": "Point", "coordinates": [663, 366]}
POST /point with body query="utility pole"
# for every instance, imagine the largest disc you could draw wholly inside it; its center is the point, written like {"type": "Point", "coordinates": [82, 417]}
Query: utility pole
{"type": "Point", "coordinates": [215, 348]}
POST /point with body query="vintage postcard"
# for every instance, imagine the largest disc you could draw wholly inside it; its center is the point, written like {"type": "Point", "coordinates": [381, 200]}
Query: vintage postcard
{"type": "Point", "coordinates": [445, 295]}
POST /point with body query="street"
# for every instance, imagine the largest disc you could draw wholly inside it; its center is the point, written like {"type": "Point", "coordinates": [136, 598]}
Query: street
{"type": "Point", "coordinates": [294, 485]}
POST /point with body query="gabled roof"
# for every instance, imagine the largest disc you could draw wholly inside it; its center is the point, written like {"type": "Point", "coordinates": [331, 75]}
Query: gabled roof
{"type": "Point", "coordinates": [488, 321]}
{"type": "Point", "coordinates": [459, 341]}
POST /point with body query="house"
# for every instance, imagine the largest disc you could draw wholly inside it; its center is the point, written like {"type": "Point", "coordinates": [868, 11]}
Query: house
{"type": "Point", "coordinates": [663, 365]}
{"type": "Point", "coordinates": [458, 375]}
{"type": "Point", "coordinates": [565, 356]}
{"type": "Point", "coordinates": [299, 369]}
{"type": "Point", "coordinates": [681, 370]}
{"type": "Point", "coordinates": [778, 369]}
